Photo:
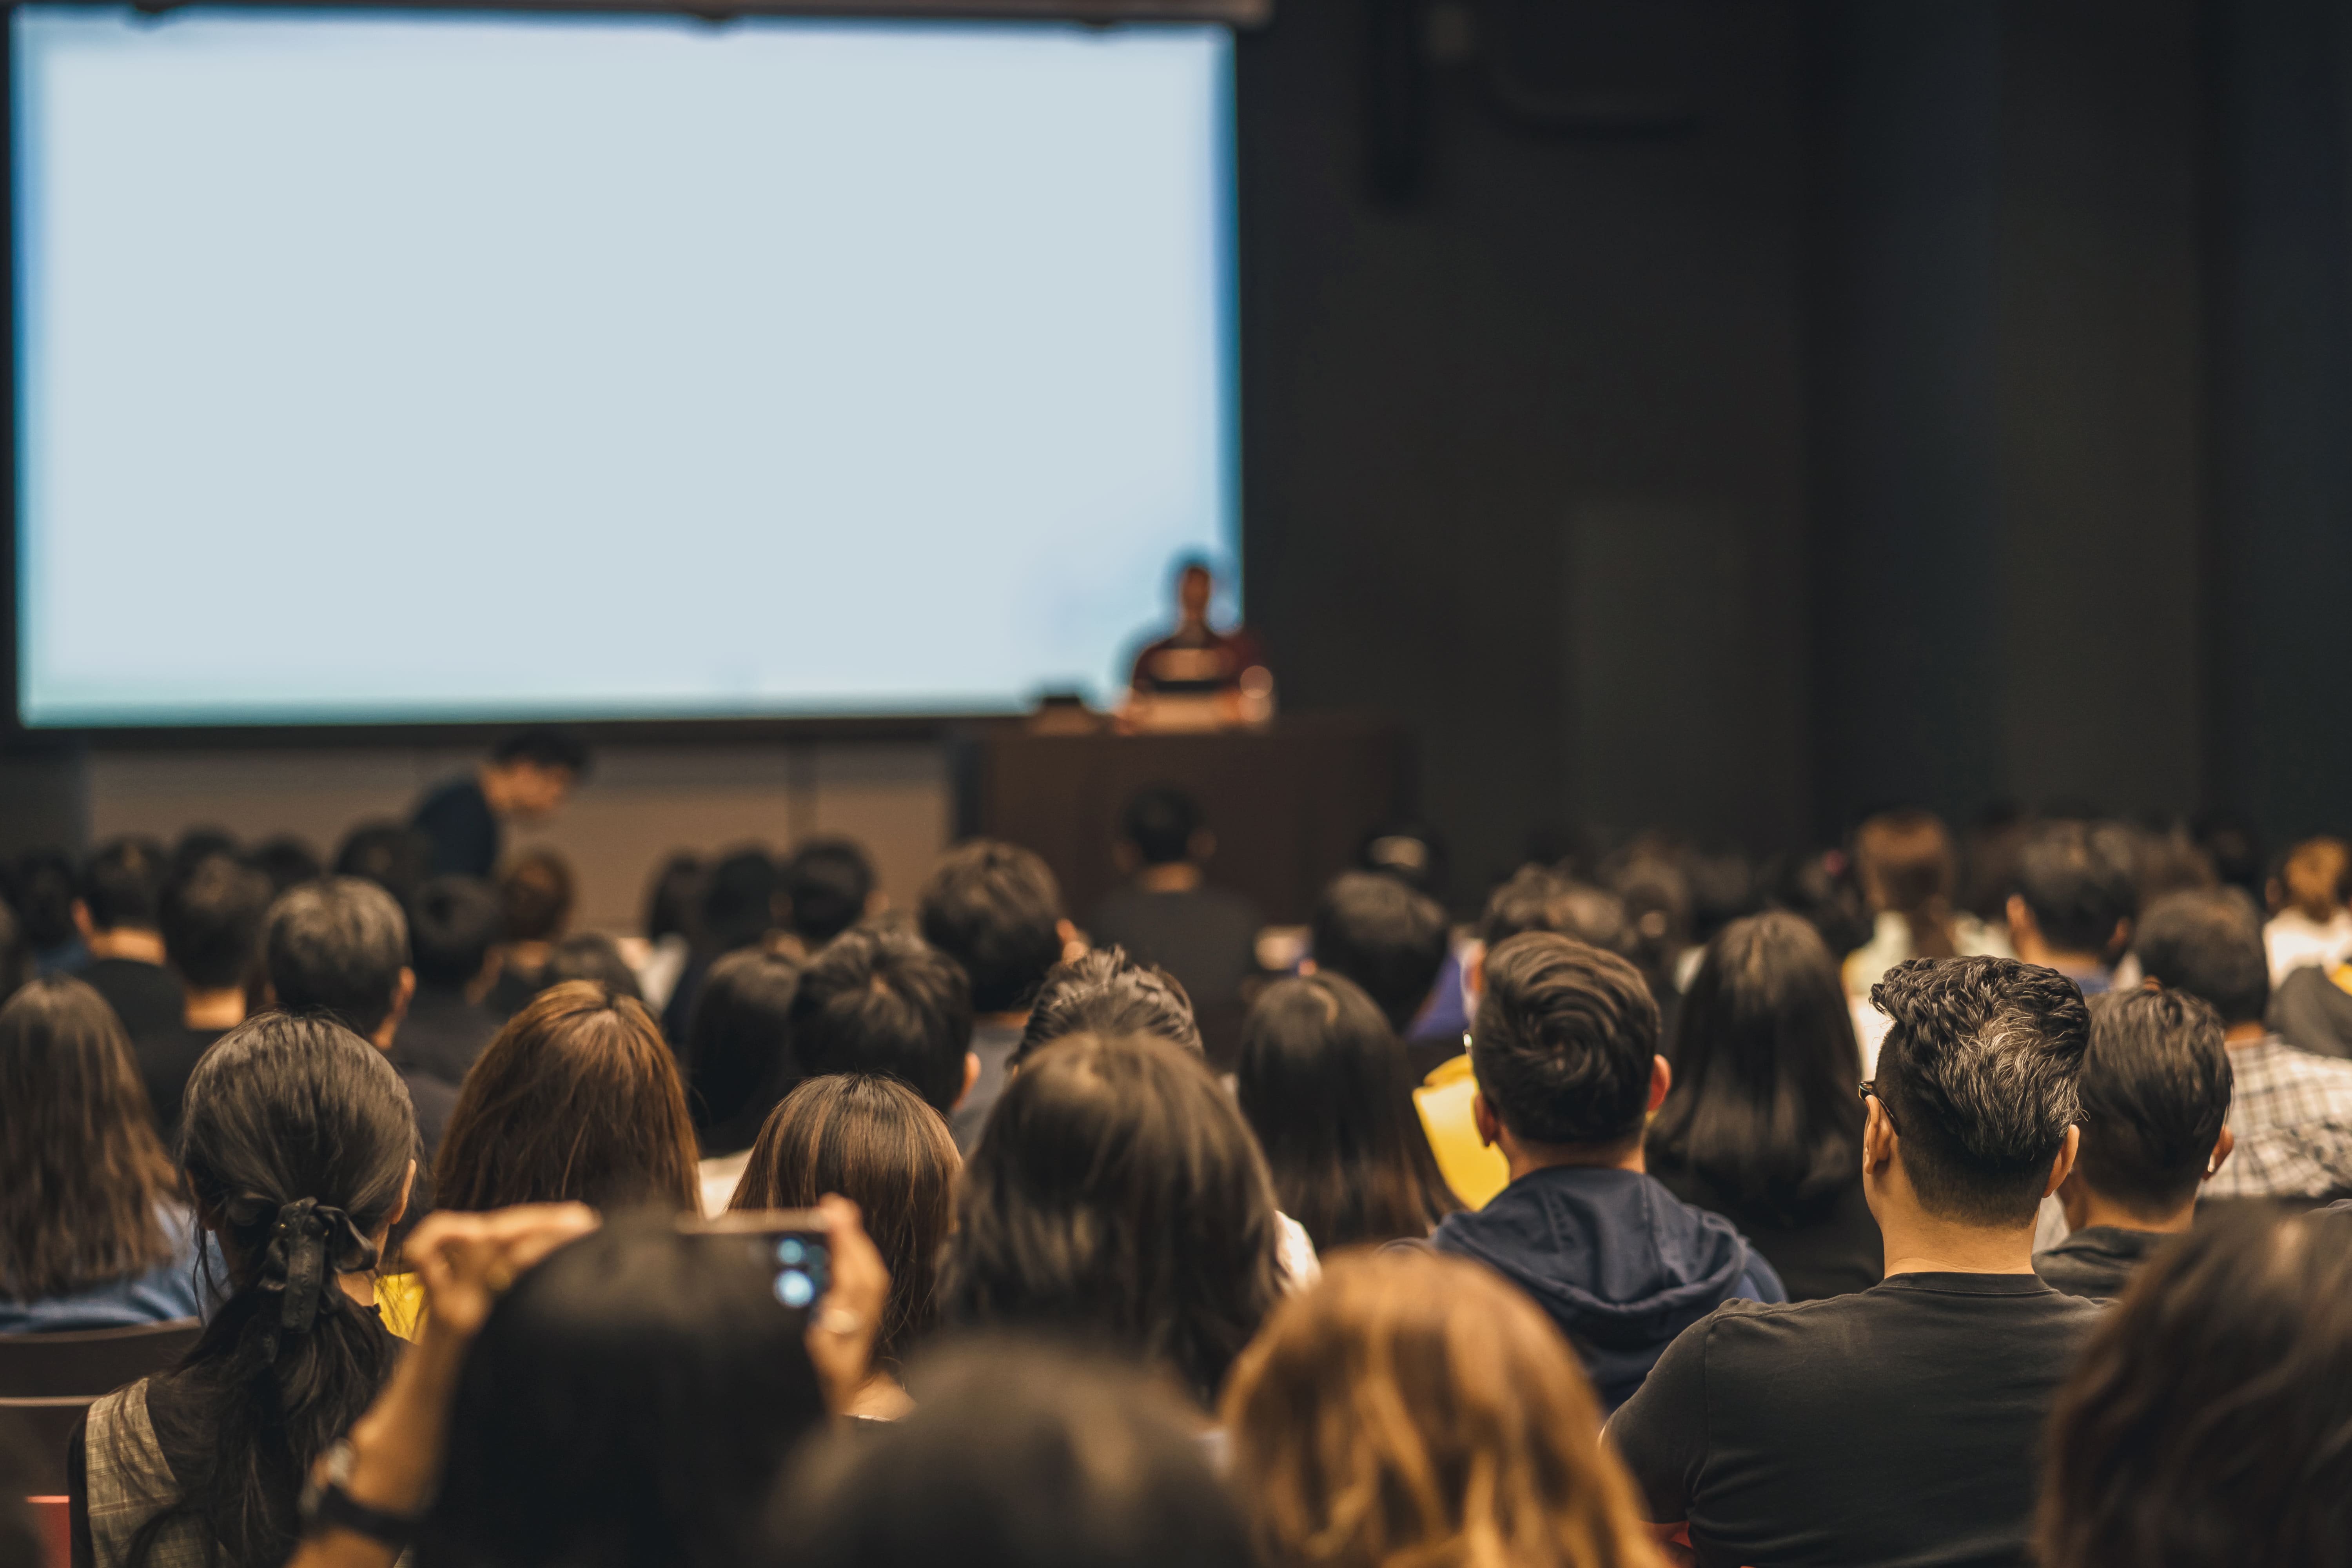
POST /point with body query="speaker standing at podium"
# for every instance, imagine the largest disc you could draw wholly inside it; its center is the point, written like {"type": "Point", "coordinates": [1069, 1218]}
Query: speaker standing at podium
{"type": "Point", "coordinates": [1198, 677]}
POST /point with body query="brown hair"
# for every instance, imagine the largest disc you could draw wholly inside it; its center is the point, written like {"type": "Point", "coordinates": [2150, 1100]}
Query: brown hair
{"type": "Point", "coordinates": [576, 1099]}
{"type": "Point", "coordinates": [1908, 866]}
{"type": "Point", "coordinates": [877, 1143]}
{"type": "Point", "coordinates": [81, 1170]}
{"type": "Point", "coordinates": [1412, 1410]}
{"type": "Point", "coordinates": [2313, 876]}
{"type": "Point", "coordinates": [535, 894]}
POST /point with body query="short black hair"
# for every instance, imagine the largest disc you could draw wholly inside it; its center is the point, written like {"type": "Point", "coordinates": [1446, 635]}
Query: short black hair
{"type": "Point", "coordinates": [2155, 1090]}
{"type": "Point", "coordinates": [1978, 1072]}
{"type": "Point", "coordinates": [880, 1001]}
{"type": "Point", "coordinates": [1103, 992]}
{"type": "Point", "coordinates": [452, 923]}
{"type": "Point", "coordinates": [1538, 898]}
{"type": "Point", "coordinates": [1564, 1040]}
{"type": "Point", "coordinates": [995, 908]}
{"type": "Point", "coordinates": [827, 882]}
{"type": "Point", "coordinates": [738, 1049]}
{"type": "Point", "coordinates": [393, 855]}
{"type": "Point", "coordinates": [2208, 941]}
{"type": "Point", "coordinates": [738, 901]}
{"type": "Point", "coordinates": [123, 884]}
{"type": "Point", "coordinates": [1384, 936]}
{"type": "Point", "coordinates": [1161, 821]}
{"type": "Point", "coordinates": [212, 922]}
{"type": "Point", "coordinates": [336, 947]}
{"type": "Point", "coordinates": [2081, 879]}
{"type": "Point", "coordinates": [544, 746]}
{"type": "Point", "coordinates": [285, 860]}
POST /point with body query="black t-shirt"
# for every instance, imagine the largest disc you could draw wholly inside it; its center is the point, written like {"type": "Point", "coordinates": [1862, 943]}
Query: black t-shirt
{"type": "Point", "coordinates": [1899, 1428]}
{"type": "Point", "coordinates": [165, 1059]}
{"type": "Point", "coordinates": [144, 995]}
{"type": "Point", "coordinates": [443, 1033]}
{"type": "Point", "coordinates": [464, 830]}
{"type": "Point", "coordinates": [2098, 1260]}
{"type": "Point", "coordinates": [1206, 937]}
{"type": "Point", "coordinates": [1837, 1252]}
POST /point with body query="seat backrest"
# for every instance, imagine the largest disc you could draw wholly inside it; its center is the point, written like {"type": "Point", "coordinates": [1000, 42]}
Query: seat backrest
{"type": "Point", "coordinates": [89, 1363]}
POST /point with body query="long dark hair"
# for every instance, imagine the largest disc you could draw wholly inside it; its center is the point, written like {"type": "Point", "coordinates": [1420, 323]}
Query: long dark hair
{"type": "Point", "coordinates": [296, 1140]}
{"type": "Point", "coordinates": [82, 1173]}
{"type": "Point", "coordinates": [1324, 1083]}
{"type": "Point", "coordinates": [627, 1404]}
{"type": "Point", "coordinates": [577, 1098]}
{"type": "Point", "coordinates": [1763, 1107]}
{"type": "Point", "coordinates": [877, 1143]}
{"type": "Point", "coordinates": [1118, 1197]}
{"type": "Point", "coordinates": [2204, 1425]}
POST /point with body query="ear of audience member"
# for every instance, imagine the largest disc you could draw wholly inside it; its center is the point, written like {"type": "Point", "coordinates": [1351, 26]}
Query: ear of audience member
{"type": "Point", "coordinates": [628, 1402]}
{"type": "Point", "coordinates": [2154, 1090]}
{"type": "Point", "coordinates": [739, 1058]}
{"type": "Point", "coordinates": [1018, 1457]}
{"type": "Point", "coordinates": [2204, 1425]}
{"type": "Point", "coordinates": [2290, 1113]}
{"type": "Point", "coordinates": [1105, 992]}
{"type": "Point", "coordinates": [93, 1232]}
{"type": "Point", "coordinates": [453, 926]}
{"type": "Point", "coordinates": [1898, 1424]}
{"type": "Point", "coordinates": [1118, 1199]}
{"type": "Point", "coordinates": [2077, 890]}
{"type": "Point", "coordinates": [1414, 1408]}
{"type": "Point", "coordinates": [1323, 1082]}
{"type": "Point", "coordinates": [577, 1098]}
{"type": "Point", "coordinates": [879, 1001]}
{"type": "Point", "coordinates": [1761, 1124]}
{"type": "Point", "coordinates": [1384, 936]}
{"type": "Point", "coordinates": [1565, 1050]}
{"type": "Point", "coordinates": [296, 1148]}
{"type": "Point", "coordinates": [118, 912]}
{"type": "Point", "coordinates": [393, 855]}
{"type": "Point", "coordinates": [873, 1140]}
{"type": "Point", "coordinates": [211, 921]}
{"type": "Point", "coordinates": [339, 947]}
{"type": "Point", "coordinates": [828, 885]}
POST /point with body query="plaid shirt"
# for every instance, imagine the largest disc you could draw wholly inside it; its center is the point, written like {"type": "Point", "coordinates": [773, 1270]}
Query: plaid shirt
{"type": "Point", "coordinates": [2291, 1116]}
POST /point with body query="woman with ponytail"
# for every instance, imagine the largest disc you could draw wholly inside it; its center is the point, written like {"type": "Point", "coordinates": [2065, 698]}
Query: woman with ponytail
{"type": "Point", "coordinates": [297, 1145]}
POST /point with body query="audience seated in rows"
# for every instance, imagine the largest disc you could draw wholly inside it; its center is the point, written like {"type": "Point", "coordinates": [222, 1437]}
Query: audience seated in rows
{"type": "Point", "coordinates": [1565, 1048]}
{"type": "Point", "coordinates": [93, 1231]}
{"type": "Point", "coordinates": [118, 914]}
{"type": "Point", "coordinates": [453, 932]}
{"type": "Point", "coordinates": [536, 892]}
{"type": "Point", "coordinates": [738, 1059]}
{"type": "Point", "coordinates": [396, 858]}
{"type": "Point", "coordinates": [827, 885]}
{"type": "Point", "coordinates": [212, 919]}
{"type": "Point", "coordinates": [1389, 939]}
{"type": "Point", "coordinates": [2155, 1091]}
{"type": "Point", "coordinates": [339, 946]}
{"type": "Point", "coordinates": [1762, 1125]}
{"type": "Point", "coordinates": [1897, 1424]}
{"type": "Point", "coordinates": [1117, 1199]}
{"type": "Point", "coordinates": [1168, 913]}
{"type": "Point", "coordinates": [2204, 1425]}
{"type": "Point", "coordinates": [2077, 893]}
{"type": "Point", "coordinates": [1323, 1082]}
{"type": "Point", "coordinates": [880, 999]}
{"type": "Point", "coordinates": [2290, 1111]}
{"type": "Point", "coordinates": [1414, 1408]}
{"type": "Point", "coordinates": [576, 1100]}
{"type": "Point", "coordinates": [298, 1147]}
{"type": "Point", "coordinates": [873, 1140]}
{"type": "Point", "coordinates": [995, 909]}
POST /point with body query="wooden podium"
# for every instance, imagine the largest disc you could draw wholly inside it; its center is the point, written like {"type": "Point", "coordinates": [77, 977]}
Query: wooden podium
{"type": "Point", "coordinates": [1290, 804]}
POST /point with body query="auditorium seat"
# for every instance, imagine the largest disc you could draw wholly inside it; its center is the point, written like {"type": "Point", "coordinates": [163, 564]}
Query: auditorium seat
{"type": "Point", "coordinates": [47, 1380]}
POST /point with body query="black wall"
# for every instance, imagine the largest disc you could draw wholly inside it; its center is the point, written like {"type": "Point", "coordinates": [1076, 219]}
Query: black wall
{"type": "Point", "coordinates": [1955, 410]}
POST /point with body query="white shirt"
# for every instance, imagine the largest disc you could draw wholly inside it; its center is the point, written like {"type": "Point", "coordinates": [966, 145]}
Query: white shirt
{"type": "Point", "coordinates": [2295, 941]}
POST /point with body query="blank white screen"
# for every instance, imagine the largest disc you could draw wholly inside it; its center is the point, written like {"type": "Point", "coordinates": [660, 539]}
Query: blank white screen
{"type": "Point", "coordinates": [378, 367]}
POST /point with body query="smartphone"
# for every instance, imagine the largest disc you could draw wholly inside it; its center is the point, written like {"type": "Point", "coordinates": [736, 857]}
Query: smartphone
{"type": "Point", "coordinates": [791, 1245]}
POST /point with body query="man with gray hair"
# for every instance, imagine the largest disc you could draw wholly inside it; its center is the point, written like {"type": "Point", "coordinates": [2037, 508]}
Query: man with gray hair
{"type": "Point", "coordinates": [339, 947]}
{"type": "Point", "coordinates": [1897, 1424]}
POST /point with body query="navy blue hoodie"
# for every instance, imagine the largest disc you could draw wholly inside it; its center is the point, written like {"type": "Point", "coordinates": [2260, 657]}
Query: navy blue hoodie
{"type": "Point", "coordinates": [1622, 1264]}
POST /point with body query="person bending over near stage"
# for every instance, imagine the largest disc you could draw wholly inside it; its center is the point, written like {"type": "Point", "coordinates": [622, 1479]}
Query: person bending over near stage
{"type": "Point", "coordinates": [526, 778]}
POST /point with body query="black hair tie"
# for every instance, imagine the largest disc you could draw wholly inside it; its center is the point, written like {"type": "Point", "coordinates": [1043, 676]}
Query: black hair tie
{"type": "Point", "coordinates": [310, 1244]}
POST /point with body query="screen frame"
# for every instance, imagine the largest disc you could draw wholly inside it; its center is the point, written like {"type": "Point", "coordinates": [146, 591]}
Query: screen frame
{"type": "Point", "coordinates": [18, 736]}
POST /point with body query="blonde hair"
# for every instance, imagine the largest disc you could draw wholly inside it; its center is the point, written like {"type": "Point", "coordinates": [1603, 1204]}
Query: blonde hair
{"type": "Point", "coordinates": [2314, 875]}
{"type": "Point", "coordinates": [1415, 1411]}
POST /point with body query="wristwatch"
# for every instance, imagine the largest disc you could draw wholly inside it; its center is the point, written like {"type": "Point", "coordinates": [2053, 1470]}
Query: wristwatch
{"type": "Point", "coordinates": [327, 1505]}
